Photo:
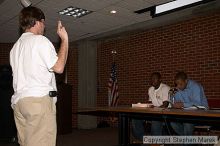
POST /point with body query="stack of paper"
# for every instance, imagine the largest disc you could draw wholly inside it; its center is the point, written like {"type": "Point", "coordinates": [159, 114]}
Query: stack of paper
{"type": "Point", "coordinates": [194, 107]}
{"type": "Point", "coordinates": [142, 105]}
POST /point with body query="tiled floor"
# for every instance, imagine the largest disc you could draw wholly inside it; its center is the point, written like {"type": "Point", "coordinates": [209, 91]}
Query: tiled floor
{"type": "Point", "coordinates": [93, 137]}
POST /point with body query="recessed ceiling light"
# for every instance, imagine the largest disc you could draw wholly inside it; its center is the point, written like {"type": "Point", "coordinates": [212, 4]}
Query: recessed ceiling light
{"type": "Point", "coordinates": [113, 11]}
{"type": "Point", "coordinates": [74, 11]}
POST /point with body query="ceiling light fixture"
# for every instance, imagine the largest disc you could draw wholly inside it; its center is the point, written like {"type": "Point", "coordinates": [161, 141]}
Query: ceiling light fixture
{"type": "Point", "coordinates": [74, 12]}
{"type": "Point", "coordinates": [175, 6]}
{"type": "Point", "coordinates": [25, 3]}
{"type": "Point", "coordinates": [113, 11]}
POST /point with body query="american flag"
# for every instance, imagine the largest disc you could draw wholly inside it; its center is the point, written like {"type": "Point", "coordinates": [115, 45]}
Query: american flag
{"type": "Point", "coordinates": [113, 87]}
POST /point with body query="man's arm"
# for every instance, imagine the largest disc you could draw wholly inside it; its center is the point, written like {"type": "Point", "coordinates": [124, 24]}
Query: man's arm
{"type": "Point", "coordinates": [165, 104]}
{"type": "Point", "coordinates": [203, 98]}
{"type": "Point", "coordinates": [182, 98]}
{"type": "Point", "coordinates": [199, 98]}
{"type": "Point", "coordinates": [165, 96]}
{"type": "Point", "coordinates": [63, 51]}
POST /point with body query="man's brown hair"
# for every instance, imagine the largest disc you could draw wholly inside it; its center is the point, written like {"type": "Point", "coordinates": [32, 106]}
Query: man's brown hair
{"type": "Point", "coordinates": [28, 17]}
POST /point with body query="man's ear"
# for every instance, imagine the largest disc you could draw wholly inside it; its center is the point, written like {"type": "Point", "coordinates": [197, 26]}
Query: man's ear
{"type": "Point", "coordinates": [37, 22]}
{"type": "Point", "coordinates": [32, 23]}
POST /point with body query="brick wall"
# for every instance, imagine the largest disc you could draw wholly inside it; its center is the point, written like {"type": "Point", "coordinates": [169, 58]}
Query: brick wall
{"type": "Point", "coordinates": [192, 46]}
{"type": "Point", "coordinates": [71, 69]}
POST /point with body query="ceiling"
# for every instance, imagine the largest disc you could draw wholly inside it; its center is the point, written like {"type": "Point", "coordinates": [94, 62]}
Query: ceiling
{"type": "Point", "coordinates": [98, 22]}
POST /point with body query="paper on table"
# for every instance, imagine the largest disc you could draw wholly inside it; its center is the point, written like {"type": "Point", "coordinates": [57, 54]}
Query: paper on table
{"type": "Point", "coordinates": [194, 107]}
{"type": "Point", "coordinates": [142, 105]}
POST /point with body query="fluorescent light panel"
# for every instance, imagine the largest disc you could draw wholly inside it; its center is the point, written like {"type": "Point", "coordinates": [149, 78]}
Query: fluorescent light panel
{"type": "Point", "coordinates": [174, 5]}
{"type": "Point", "coordinates": [74, 12]}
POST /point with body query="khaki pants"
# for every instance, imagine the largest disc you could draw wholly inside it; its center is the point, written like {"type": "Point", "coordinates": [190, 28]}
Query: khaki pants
{"type": "Point", "coordinates": [35, 120]}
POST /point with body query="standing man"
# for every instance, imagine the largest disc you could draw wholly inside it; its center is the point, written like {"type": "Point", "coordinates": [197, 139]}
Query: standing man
{"type": "Point", "coordinates": [190, 93]}
{"type": "Point", "coordinates": [158, 95]}
{"type": "Point", "coordinates": [34, 60]}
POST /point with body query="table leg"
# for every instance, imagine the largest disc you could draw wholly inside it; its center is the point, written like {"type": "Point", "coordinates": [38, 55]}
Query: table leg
{"type": "Point", "coordinates": [124, 130]}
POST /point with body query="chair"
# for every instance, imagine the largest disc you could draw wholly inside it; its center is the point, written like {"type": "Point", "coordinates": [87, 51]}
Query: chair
{"type": "Point", "coordinates": [214, 104]}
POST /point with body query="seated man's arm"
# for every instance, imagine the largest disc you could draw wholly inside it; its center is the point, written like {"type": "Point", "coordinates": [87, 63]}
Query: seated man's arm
{"type": "Point", "coordinates": [182, 99]}
{"type": "Point", "coordinates": [189, 97]}
{"type": "Point", "coordinates": [165, 96]}
{"type": "Point", "coordinates": [198, 97]}
{"type": "Point", "coordinates": [204, 99]}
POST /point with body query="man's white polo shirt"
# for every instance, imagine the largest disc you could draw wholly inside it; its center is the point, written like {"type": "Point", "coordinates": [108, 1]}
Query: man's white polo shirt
{"type": "Point", "coordinates": [31, 59]}
{"type": "Point", "coordinates": [159, 95]}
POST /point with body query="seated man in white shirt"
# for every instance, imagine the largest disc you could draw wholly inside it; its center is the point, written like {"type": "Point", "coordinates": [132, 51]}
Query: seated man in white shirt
{"type": "Point", "coordinates": [158, 92]}
{"type": "Point", "coordinates": [158, 95]}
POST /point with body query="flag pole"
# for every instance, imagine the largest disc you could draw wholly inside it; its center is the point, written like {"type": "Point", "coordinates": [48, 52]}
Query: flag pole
{"type": "Point", "coordinates": [113, 55]}
{"type": "Point", "coordinates": [113, 52]}
{"type": "Point", "coordinates": [112, 118]}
